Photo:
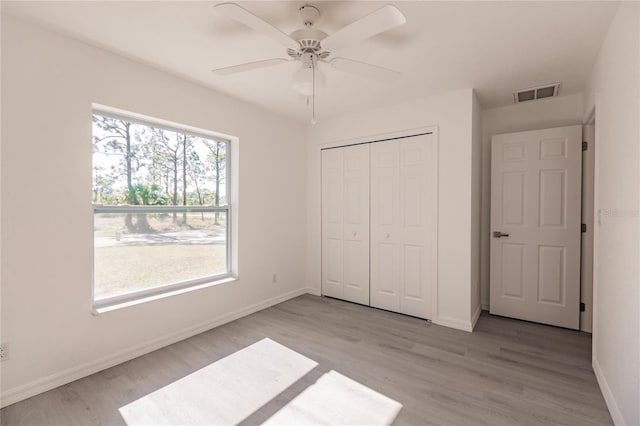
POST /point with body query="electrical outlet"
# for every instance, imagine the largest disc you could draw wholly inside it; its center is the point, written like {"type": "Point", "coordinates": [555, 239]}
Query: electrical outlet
{"type": "Point", "coordinates": [274, 278]}
{"type": "Point", "coordinates": [4, 351]}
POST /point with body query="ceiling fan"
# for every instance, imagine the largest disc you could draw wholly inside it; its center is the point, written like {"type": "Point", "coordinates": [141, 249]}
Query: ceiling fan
{"type": "Point", "coordinates": [310, 46]}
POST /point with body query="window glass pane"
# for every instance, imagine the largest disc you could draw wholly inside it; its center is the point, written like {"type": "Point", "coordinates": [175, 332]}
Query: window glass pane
{"type": "Point", "coordinates": [165, 253]}
{"type": "Point", "coordinates": [138, 164]}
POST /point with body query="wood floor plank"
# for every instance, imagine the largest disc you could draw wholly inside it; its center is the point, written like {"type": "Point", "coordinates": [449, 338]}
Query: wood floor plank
{"type": "Point", "coordinates": [508, 372]}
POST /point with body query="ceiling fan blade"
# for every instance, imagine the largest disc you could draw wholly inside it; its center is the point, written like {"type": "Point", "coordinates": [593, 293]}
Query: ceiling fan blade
{"type": "Point", "coordinates": [381, 20]}
{"type": "Point", "coordinates": [249, 66]}
{"type": "Point", "coordinates": [247, 18]}
{"type": "Point", "coordinates": [364, 69]}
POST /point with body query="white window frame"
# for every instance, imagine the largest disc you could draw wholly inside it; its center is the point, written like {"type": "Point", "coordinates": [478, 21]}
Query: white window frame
{"type": "Point", "coordinates": [148, 294]}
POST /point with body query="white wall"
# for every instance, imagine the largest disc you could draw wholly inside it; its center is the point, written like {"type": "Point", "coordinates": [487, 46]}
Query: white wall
{"type": "Point", "coordinates": [542, 114]}
{"type": "Point", "coordinates": [1, 339]}
{"type": "Point", "coordinates": [614, 89]}
{"type": "Point", "coordinates": [476, 203]}
{"type": "Point", "coordinates": [452, 113]}
{"type": "Point", "coordinates": [48, 85]}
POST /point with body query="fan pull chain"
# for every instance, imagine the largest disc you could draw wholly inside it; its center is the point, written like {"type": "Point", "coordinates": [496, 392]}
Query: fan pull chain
{"type": "Point", "coordinates": [313, 100]}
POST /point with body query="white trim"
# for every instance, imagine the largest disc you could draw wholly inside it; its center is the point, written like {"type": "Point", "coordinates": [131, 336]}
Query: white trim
{"type": "Point", "coordinates": [587, 238]}
{"type": "Point", "coordinates": [592, 117]}
{"type": "Point", "coordinates": [379, 136]}
{"type": "Point", "coordinates": [314, 291]}
{"type": "Point", "coordinates": [474, 318]}
{"type": "Point", "coordinates": [614, 410]}
{"type": "Point", "coordinates": [128, 208]}
{"type": "Point", "coordinates": [453, 323]}
{"type": "Point", "coordinates": [145, 120]}
{"type": "Point", "coordinates": [436, 272]}
{"type": "Point", "coordinates": [102, 306]}
{"type": "Point", "coordinates": [35, 387]}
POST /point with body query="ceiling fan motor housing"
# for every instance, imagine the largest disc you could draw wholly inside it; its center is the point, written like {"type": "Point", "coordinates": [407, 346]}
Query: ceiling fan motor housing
{"type": "Point", "coordinates": [309, 39]}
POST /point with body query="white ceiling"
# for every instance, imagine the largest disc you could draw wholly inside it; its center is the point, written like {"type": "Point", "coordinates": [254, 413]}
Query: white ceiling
{"type": "Point", "coordinates": [494, 47]}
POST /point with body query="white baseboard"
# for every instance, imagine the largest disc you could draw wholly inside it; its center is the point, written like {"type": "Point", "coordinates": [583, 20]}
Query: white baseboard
{"type": "Point", "coordinates": [314, 291]}
{"type": "Point", "coordinates": [616, 415]}
{"type": "Point", "coordinates": [474, 318]}
{"type": "Point", "coordinates": [35, 387]}
{"type": "Point", "coordinates": [454, 323]}
{"type": "Point", "coordinates": [485, 307]}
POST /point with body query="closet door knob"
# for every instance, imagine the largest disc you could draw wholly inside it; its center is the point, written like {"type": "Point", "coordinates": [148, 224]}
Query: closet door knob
{"type": "Point", "coordinates": [354, 233]}
{"type": "Point", "coordinates": [387, 235]}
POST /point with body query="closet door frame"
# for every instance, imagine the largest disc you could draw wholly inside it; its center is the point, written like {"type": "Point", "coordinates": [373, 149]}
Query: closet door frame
{"type": "Point", "coordinates": [380, 137]}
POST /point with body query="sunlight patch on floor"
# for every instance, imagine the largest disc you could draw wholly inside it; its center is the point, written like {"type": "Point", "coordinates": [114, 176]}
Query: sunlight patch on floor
{"type": "Point", "coordinates": [335, 399]}
{"type": "Point", "coordinates": [225, 392]}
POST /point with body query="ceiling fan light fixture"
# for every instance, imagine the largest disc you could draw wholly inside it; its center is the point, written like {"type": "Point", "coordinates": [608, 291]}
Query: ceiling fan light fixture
{"type": "Point", "coordinates": [303, 80]}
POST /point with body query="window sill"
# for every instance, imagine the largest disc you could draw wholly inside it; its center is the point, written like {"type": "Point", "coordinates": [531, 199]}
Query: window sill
{"type": "Point", "coordinates": [98, 309]}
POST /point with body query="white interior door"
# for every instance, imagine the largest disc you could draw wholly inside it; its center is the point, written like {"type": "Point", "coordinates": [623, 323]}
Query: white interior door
{"type": "Point", "coordinates": [345, 223]}
{"type": "Point", "coordinates": [403, 224]}
{"type": "Point", "coordinates": [535, 225]}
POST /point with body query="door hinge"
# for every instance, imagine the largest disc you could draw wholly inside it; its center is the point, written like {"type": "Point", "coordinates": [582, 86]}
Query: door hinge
{"type": "Point", "coordinates": [582, 307]}
{"type": "Point", "coordinates": [585, 145]}
{"type": "Point", "coordinates": [583, 227]}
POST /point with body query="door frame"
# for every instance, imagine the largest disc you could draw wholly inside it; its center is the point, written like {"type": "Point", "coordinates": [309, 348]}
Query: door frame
{"type": "Point", "coordinates": [373, 138]}
{"type": "Point", "coordinates": [586, 258]}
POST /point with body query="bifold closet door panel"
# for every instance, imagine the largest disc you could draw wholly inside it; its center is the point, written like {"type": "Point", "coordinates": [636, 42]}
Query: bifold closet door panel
{"type": "Point", "coordinates": [356, 223]}
{"type": "Point", "coordinates": [332, 231]}
{"type": "Point", "coordinates": [385, 225]}
{"type": "Point", "coordinates": [418, 224]}
{"type": "Point", "coordinates": [403, 224]}
{"type": "Point", "coordinates": [345, 223]}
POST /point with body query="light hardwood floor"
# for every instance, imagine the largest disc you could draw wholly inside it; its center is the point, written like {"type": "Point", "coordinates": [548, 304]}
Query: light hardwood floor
{"type": "Point", "coordinates": [507, 372]}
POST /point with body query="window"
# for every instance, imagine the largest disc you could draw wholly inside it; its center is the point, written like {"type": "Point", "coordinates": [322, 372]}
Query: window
{"type": "Point", "coordinates": [160, 208]}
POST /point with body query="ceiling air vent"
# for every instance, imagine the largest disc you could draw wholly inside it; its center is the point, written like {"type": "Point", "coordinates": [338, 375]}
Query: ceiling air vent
{"type": "Point", "coordinates": [534, 93]}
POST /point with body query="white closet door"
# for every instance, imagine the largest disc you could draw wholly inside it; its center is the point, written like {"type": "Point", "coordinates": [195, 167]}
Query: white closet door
{"type": "Point", "coordinates": [418, 224]}
{"type": "Point", "coordinates": [385, 225]}
{"type": "Point", "coordinates": [356, 223]}
{"type": "Point", "coordinates": [403, 224]}
{"type": "Point", "coordinates": [332, 244]}
{"type": "Point", "coordinates": [345, 223]}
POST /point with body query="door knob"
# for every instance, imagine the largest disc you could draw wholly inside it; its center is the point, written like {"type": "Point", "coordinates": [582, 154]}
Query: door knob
{"type": "Point", "coordinates": [354, 234]}
{"type": "Point", "coordinates": [387, 235]}
{"type": "Point", "coordinates": [498, 234]}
